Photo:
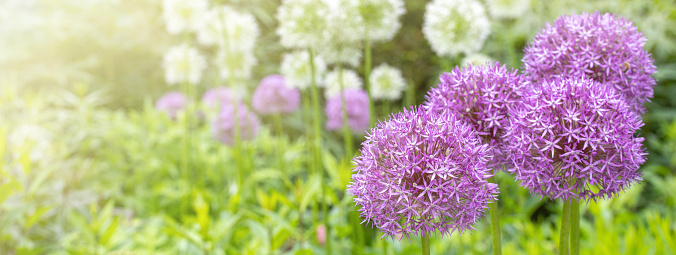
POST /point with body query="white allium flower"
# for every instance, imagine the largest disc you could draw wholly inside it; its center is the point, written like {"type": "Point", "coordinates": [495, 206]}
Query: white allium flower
{"type": "Point", "coordinates": [350, 79]}
{"type": "Point", "coordinates": [237, 64]}
{"type": "Point", "coordinates": [476, 59]}
{"type": "Point", "coordinates": [381, 18]}
{"type": "Point", "coordinates": [183, 64]}
{"type": "Point", "coordinates": [224, 26]}
{"type": "Point", "coordinates": [344, 34]}
{"type": "Point", "coordinates": [386, 82]}
{"type": "Point", "coordinates": [455, 26]}
{"type": "Point", "coordinates": [302, 23]}
{"type": "Point", "coordinates": [32, 139]}
{"type": "Point", "coordinates": [507, 9]}
{"type": "Point", "coordinates": [183, 15]}
{"type": "Point", "coordinates": [296, 69]}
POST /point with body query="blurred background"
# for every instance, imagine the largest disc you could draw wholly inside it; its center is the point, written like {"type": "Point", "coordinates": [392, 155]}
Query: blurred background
{"type": "Point", "coordinates": [89, 165]}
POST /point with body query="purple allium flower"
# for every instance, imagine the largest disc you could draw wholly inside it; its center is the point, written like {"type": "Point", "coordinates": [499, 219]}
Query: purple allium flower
{"type": "Point", "coordinates": [422, 172]}
{"type": "Point", "coordinates": [357, 107]}
{"type": "Point", "coordinates": [219, 97]}
{"type": "Point", "coordinates": [482, 95]}
{"type": "Point", "coordinates": [171, 103]}
{"type": "Point", "coordinates": [575, 135]}
{"type": "Point", "coordinates": [223, 127]}
{"type": "Point", "coordinates": [606, 48]}
{"type": "Point", "coordinates": [273, 96]}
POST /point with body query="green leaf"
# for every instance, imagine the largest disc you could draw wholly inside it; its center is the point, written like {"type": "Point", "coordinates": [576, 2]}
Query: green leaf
{"type": "Point", "coordinates": [201, 208]}
{"type": "Point", "coordinates": [6, 190]}
{"type": "Point", "coordinates": [280, 238]}
{"type": "Point", "coordinates": [303, 252]}
{"type": "Point", "coordinates": [35, 217]}
{"type": "Point", "coordinates": [105, 238]}
{"type": "Point", "coordinates": [25, 161]}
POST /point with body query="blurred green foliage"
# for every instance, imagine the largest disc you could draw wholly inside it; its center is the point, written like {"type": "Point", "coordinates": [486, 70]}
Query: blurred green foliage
{"type": "Point", "coordinates": [100, 171]}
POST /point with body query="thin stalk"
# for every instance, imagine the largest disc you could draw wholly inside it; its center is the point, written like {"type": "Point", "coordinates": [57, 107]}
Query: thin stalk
{"type": "Point", "coordinates": [565, 228]}
{"type": "Point", "coordinates": [425, 244]}
{"type": "Point", "coordinates": [280, 136]}
{"type": "Point", "coordinates": [317, 151]}
{"type": "Point", "coordinates": [346, 124]}
{"type": "Point", "coordinates": [235, 103]}
{"type": "Point", "coordinates": [311, 149]}
{"type": "Point", "coordinates": [495, 223]}
{"type": "Point", "coordinates": [575, 227]}
{"type": "Point", "coordinates": [384, 241]}
{"type": "Point", "coordinates": [367, 77]}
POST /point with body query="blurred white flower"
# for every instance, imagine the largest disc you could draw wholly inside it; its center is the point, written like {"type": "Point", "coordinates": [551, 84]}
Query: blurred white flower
{"type": "Point", "coordinates": [381, 18]}
{"type": "Point", "coordinates": [32, 139]}
{"type": "Point", "coordinates": [476, 59]}
{"type": "Point", "coordinates": [183, 15]}
{"type": "Point", "coordinates": [455, 26]}
{"type": "Point", "coordinates": [344, 34]}
{"type": "Point", "coordinates": [228, 28]}
{"type": "Point", "coordinates": [507, 9]}
{"type": "Point", "coordinates": [386, 82]}
{"type": "Point", "coordinates": [332, 82]}
{"type": "Point", "coordinates": [183, 64]}
{"type": "Point", "coordinates": [302, 23]}
{"type": "Point", "coordinates": [295, 68]}
{"type": "Point", "coordinates": [235, 64]}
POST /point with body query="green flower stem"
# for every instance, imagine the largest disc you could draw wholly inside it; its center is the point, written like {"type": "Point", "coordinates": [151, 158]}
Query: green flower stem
{"type": "Point", "coordinates": [495, 223]}
{"type": "Point", "coordinates": [565, 228]}
{"type": "Point", "coordinates": [317, 150]}
{"type": "Point", "coordinates": [277, 118]}
{"type": "Point", "coordinates": [425, 244]}
{"type": "Point", "coordinates": [575, 227]}
{"type": "Point", "coordinates": [310, 136]}
{"type": "Point", "coordinates": [384, 241]}
{"type": "Point", "coordinates": [367, 78]}
{"type": "Point", "coordinates": [346, 127]}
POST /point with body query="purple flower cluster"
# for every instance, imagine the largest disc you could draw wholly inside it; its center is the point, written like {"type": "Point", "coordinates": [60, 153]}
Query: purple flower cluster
{"type": "Point", "coordinates": [171, 103]}
{"type": "Point", "coordinates": [603, 47]}
{"type": "Point", "coordinates": [574, 136]}
{"type": "Point", "coordinates": [357, 107]}
{"type": "Point", "coordinates": [223, 127]}
{"type": "Point", "coordinates": [422, 172]}
{"type": "Point", "coordinates": [273, 96]}
{"type": "Point", "coordinates": [219, 97]}
{"type": "Point", "coordinates": [482, 96]}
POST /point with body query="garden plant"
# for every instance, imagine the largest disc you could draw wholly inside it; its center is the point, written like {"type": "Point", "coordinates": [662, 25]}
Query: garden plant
{"type": "Point", "coordinates": [337, 127]}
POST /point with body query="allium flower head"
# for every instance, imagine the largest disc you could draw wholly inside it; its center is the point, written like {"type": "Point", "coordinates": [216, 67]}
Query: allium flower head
{"type": "Point", "coordinates": [356, 106]}
{"type": "Point", "coordinates": [421, 172]}
{"type": "Point", "coordinates": [273, 96]}
{"type": "Point", "coordinates": [225, 23]}
{"type": "Point", "coordinates": [238, 64]}
{"type": "Point", "coordinates": [349, 79]}
{"type": "Point", "coordinates": [295, 68]}
{"type": "Point", "coordinates": [343, 35]}
{"type": "Point", "coordinates": [381, 18]}
{"type": "Point", "coordinates": [218, 97]}
{"type": "Point", "coordinates": [183, 16]}
{"type": "Point", "coordinates": [476, 59]}
{"type": "Point", "coordinates": [455, 26]}
{"type": "Point", "coordinates": [507, 9]}
{"type": "Point", "coordinates": [603, 47]}
{"type": "Point", "coordinates": [223, 127]}
{"type": "Point", "coordinates": [171, 103]}
{"type": "Point", "coordinates": [302, 23]}
{"type": "Point", "coordinates": [482, 96]}
{"type": "Point", "coordinates": [183, 64]}
{"type": "Point", "coordinates": [575, 135]}
{"type": "Point", "coordinates": [386, 82]}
